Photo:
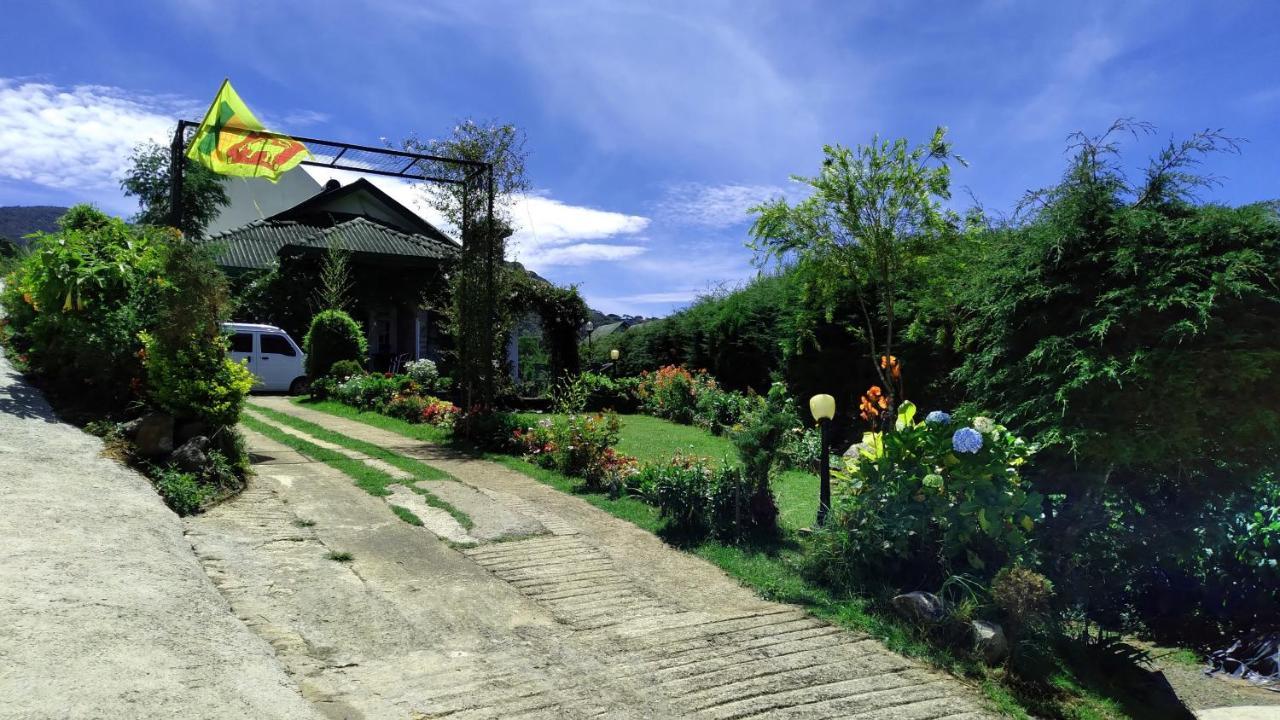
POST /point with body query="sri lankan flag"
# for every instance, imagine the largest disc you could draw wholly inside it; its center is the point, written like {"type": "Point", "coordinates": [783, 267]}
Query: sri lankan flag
{"type": "Point", "coordinates": [231, 141]}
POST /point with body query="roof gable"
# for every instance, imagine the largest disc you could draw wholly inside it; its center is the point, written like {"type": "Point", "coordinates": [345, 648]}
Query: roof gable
{"type": "Point", "coordinates": [360, 199]}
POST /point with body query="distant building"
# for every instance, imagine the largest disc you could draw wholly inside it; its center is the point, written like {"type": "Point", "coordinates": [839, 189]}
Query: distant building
{"type": "Point", "coordinates": [398, 259]}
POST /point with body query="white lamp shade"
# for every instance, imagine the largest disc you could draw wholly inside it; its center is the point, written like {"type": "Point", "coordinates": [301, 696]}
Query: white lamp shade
{"type": "Point", "coordinates": [614, 354]}
{"type": "Point", "coordinates": [822, 406]}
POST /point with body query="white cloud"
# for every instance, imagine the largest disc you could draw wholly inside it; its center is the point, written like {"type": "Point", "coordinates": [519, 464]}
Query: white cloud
{"type": "Point", "coordinates": [78, 137]}
{"type": "Point", "coordinates": [550, 233]}
{"type": "Point", "coordinates": [656, 298]}
{"type": "Point", "coordinates": [715, 206]}
{"type": "Point", "coordinates": [581, 254]}
{"type": "Point", "coordinates": [300, 118]}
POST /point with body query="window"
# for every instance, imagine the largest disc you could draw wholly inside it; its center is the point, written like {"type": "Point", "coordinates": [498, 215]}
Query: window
{"type": "Point", "coordinates": [242, 343]}
{"type": "Point", "coordinates": [276, 345]}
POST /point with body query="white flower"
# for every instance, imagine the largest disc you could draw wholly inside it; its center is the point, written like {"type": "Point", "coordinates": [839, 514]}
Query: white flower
{"type": "Point", "coordinates": [984, 425]}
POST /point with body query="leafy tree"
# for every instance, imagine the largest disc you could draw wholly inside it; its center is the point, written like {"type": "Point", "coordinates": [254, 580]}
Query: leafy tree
{"type": "Point", "coordinates": [148, 179]}
{"type": "Point", "coordinates": [1136, 336]}
{"type": "Point", "coordinates": [871, 212]}
{"type": "Point", "coordinates": [335, 279]}
{"type": "Point", "coordinates": [478, 321]}
{"type": "Point", "coordinates": [1127, 327]}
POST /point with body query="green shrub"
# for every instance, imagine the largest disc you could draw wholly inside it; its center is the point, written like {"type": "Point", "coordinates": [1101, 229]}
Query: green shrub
{"type": "Point", "coordinates": [802, 448]}
{"type": "Point", "coordinates": [367, 392]}
{"type": "Point", "coordinates": [77, 302]}
{"type": "Point", "coordinates": [197, 381]}
{"type": "Point", "coordinates": [759, 443]}
{"type": "Point", "coordinates": [717, 410]}
{"type": "Point", "coordinates": [406, 407]}
{"type": "Point", "coordinates": [607, 393]}
{"type": "Point", "coordinates": [697, 496]}
{"type": "Point", "coordinates": [441, 413]}
{"type": "Point", "coordinates": [928, 500]}
{"type": "Point", "coordinates": [333, 336]}
{"type": "Point", "coordinates": [489, 430]}
{"type": "Point", "coordinates": [344, 369]}
{"type": "Point", "coordinates": [180, 491]}
{"type": "Point", "coordinates": [670, 392]}
{"type": "Point", "coordinates": [577, 445]}
{"type": "Point", "coordinates": [1022, 595]}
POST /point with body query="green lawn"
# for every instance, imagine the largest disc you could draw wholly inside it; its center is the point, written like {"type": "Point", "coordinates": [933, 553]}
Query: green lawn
{"type": "Point", "coordinates": [652, 439]}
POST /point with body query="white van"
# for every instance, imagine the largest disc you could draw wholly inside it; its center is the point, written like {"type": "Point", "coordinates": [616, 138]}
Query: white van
{"type": "Point", "coordinates": [273, 357]}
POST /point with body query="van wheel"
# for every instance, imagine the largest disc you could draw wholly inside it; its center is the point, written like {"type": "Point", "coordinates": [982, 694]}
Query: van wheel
{"type": "Point", "coordinates": [299, 386]}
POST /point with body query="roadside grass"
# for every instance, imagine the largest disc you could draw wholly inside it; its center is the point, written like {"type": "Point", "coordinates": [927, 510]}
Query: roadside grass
{"type": "Point", "coordinates": [406, 515]}
{"type": "Point", "coordinates": [772, 568]}
{"type": "Point", "coordinates": [421, 431]}
{"type": "Point", "coordinates": [419, 469]}
{"type": "Point", "coordinates": [371, 480]}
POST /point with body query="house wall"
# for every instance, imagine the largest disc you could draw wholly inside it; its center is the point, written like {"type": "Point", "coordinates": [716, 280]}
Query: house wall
{"type": "Point", "coordinates": [257, 199]}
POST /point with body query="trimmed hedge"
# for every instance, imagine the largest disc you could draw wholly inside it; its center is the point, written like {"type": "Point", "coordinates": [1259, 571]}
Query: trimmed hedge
{"type": "Point", "coordinates": [333, 337]}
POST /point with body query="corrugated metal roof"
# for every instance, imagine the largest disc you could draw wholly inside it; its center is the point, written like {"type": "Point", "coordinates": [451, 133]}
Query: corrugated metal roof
{"type": "Point", "coordinates": [258, 244]}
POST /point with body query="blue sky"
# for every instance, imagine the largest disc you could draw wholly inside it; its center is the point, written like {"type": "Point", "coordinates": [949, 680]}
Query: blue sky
{"type": "Point", "coordinates": [651, 126]}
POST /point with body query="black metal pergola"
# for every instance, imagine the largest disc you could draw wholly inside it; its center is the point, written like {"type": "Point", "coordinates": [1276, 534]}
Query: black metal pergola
{"type": "Point", "coordinates": [474, 177]}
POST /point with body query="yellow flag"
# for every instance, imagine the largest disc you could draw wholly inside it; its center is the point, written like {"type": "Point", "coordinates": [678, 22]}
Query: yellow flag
{"type": "Point", "coordinates": [231, 141]}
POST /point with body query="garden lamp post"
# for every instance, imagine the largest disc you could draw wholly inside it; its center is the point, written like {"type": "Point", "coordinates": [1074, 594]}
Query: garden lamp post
{"type": "Point", "coordinates": [614, 354]}
{"type": "Point", "coordinates": [823, 408]}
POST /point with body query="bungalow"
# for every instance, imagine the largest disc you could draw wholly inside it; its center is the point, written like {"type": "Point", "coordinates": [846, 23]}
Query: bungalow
{"type": "Point", "coordinates": [398, 264]}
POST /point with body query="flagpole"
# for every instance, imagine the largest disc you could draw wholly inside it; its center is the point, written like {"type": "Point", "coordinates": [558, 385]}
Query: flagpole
{"type": "Point", "coordinates": [176, 166]}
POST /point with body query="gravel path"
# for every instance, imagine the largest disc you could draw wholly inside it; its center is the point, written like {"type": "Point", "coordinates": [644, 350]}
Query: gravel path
{"type": "Point", "coordinates": [104, 612]}
{"type": "Point", "coordinates": [593, 618]}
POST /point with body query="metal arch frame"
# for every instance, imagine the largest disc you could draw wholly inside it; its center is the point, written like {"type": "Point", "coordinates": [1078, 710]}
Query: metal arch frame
{"type": "Point", "coordinates": [473, 169]}
{"type": "Point", "coordinates": [476, 175]}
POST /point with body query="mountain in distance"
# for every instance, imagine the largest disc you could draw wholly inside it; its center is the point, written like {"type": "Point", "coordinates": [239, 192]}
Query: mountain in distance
{"type": "Point", "coordinates": [18, 221]}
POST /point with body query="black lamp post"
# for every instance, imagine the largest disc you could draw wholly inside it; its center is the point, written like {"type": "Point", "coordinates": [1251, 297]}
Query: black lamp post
{"type": "Point", "coordinates": [614, 354]}
{"type": "Point", "coordinates": [823, 408]}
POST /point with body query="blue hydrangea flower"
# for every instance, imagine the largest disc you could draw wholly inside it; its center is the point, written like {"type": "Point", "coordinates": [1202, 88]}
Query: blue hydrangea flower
{"type": "Point", "coordinates": [937, 417]}
{"type": "Point", "coordinates": [967, 440]}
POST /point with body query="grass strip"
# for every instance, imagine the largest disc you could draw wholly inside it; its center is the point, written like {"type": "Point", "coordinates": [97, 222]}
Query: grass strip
{"type": "Point", "coordinates": [417, 431]}
{"type": "Point", "coordinates": [419, 469]}
{"type": "Point", "coordinates": [373, 481]}
{"type": "Point", "coordinates": [406, 515]}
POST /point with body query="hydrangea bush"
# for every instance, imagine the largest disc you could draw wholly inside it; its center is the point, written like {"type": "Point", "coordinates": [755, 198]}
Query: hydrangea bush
{"type": "Point", "coordinates": [926, 501]}
{"type": "Point", "coordinates": [425, 373]}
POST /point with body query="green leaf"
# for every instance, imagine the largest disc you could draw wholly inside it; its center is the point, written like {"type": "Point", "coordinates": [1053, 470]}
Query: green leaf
{"type": "Point", "coordinates": [906, 413]}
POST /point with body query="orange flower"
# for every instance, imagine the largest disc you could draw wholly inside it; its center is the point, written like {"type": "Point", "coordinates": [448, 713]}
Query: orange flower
{"type": "Point", "coordinates": [872, 403]}
{"type": "Point", "coordinates": [890, 363]}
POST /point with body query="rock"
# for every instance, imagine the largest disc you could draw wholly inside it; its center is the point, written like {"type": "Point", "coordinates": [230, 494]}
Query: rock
{"type": "Point", "coordinates": [854, 450]}
{"type": "Point", "coordinates": [922, 607]}
{"type": "Point", "coordinates": [989, 641]}
{"type": "Point", "coordinates": [191, 455]}
{"type": "Point", "coordinates": [152, 434]}
{"type": "Point", "coordinates": [189, 429]}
